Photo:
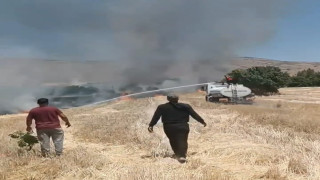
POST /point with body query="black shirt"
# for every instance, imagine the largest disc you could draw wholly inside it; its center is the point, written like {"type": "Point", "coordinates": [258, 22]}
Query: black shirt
{"type": "Point", "coordinates": [172, 113]}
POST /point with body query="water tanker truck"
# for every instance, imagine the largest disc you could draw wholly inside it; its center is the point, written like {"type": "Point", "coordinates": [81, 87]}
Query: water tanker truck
{"type": "Point", "coordinates": [228, 93]}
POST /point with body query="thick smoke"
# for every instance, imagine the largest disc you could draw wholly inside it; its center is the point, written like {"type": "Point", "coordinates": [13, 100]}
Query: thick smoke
{"type": "Point", "coordinates": [159, 36]}
{"type": "Point", "coordinates": [141, 42]}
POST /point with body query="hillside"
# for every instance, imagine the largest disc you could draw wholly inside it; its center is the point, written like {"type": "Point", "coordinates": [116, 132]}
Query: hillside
{"type": "Point", "coordinates": [288, 66]}
{"type": "Point", "coordinates": [77, 72]}
{"type": "Point", "coordinates": [273, 139]}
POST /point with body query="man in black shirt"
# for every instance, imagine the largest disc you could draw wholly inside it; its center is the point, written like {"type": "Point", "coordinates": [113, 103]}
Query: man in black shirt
{"type": "Point", "coordinates": [175, 118]}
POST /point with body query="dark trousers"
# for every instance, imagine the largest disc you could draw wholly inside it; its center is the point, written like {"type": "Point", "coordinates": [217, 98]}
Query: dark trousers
{"type": "Point", "coordinates": [178, 137]}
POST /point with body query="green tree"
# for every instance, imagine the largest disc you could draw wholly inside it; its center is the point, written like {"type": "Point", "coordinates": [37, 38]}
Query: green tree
{"type": "Point", "coordinates": [305, 78]}
{"type": "Point", "coordinates": [261, 80]}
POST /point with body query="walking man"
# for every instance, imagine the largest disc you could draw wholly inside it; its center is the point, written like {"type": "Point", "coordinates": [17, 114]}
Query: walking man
{"type": "Point", "coordinates": [175, 118]}
{"type": "Point", "coordinates": [47, 126]}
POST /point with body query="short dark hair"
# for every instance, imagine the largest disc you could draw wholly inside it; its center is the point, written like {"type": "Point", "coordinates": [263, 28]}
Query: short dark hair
{"type": "Point", "coordinates": [42, 101]}
{"type": "Point", "coordinates": [172, 97]}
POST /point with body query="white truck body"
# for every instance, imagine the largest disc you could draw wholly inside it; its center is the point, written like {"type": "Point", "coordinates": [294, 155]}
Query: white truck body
{"type": "Point", "coordinates": [235, 93]}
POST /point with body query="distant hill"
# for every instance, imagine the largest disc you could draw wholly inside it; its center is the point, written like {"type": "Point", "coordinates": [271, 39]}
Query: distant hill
{"type": "Point", "coordinates": [288, 66]}
{"type": "Point", "coordinates": [21, 71]}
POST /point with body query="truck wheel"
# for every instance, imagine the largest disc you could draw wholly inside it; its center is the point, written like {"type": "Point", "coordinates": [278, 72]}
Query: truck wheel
{"type": "Point", "coordinates": [212, 99]}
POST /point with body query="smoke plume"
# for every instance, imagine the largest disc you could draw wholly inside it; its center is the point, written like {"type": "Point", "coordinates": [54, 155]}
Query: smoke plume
{"type": "Point", "coordinates": [124, 42]}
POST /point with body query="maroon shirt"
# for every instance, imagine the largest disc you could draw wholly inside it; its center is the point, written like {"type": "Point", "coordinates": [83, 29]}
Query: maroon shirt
{"type": "Point", "coordinates": [45, 117]}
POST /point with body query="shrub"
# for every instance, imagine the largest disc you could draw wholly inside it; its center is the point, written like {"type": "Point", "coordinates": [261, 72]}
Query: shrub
{"type": "Point", "coordinates": [26, 140]}
{"type": "Point", "coordinates": [305, 78]}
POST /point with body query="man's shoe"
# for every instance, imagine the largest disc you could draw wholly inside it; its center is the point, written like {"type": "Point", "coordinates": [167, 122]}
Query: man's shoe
{"type": "Point", "coordinates": [174, 156]}
{"type": "Point", "coordinates": [182, 159]}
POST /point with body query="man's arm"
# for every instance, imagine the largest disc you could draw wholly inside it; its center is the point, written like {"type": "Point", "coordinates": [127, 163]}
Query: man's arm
{"type": "Point", "coordinates": [196, 116]}
{"type": "Point", "coordinates": [29, 122]}
{"type": "Point", "coordinates": [65, 119]}
{"type": "Point", "coordinates": [155, 119]}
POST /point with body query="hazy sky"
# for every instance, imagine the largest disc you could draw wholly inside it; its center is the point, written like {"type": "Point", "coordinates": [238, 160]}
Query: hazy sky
{"type": "Point", "coordinates": [154, 41]}
{"type": "Point", "coordinates": [297, 37]}
{"type": "Point", "coordinates": [80, 30]}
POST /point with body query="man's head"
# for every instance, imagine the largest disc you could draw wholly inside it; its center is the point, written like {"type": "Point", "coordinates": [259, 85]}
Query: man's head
{"type": "Point", "coordinates": [173, 98]}
{"type": "Point", "coordinates": [43, 102]}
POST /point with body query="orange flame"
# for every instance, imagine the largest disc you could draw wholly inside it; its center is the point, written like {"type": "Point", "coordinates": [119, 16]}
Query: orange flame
{"type": "Point", "coordinates": [23, 112]}
{"type": "Point", "coordinates": [201, 91]}
{"type": "Point", "coordinates": [158, 95]}
{"type": "Point", "coordinates": [124, 97]}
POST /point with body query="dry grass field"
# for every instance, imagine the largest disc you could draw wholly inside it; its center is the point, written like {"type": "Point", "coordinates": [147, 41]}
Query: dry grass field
{"type": "Point", "coordinates": [275, 138]}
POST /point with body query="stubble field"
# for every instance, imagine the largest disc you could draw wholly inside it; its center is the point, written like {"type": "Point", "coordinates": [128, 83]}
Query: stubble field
{"type": "Point", "coordinates": [275, 138]}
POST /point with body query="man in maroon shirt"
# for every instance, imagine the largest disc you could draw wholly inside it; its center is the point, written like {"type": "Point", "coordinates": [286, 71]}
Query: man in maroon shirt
{"type": "Point", "coordinates": [48, 126]}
